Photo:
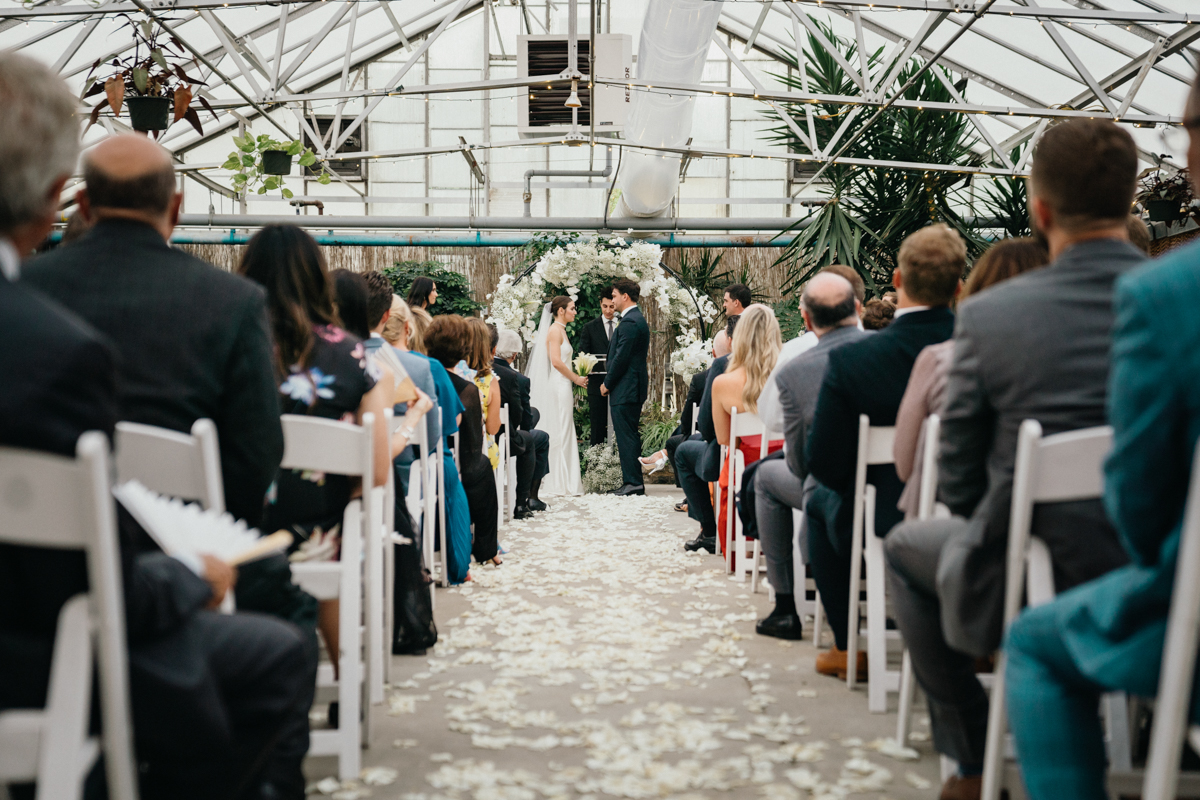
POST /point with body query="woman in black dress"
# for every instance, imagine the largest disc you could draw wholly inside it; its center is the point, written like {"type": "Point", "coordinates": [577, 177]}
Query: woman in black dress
{"type": "Point", "coordinates": [448, 340]}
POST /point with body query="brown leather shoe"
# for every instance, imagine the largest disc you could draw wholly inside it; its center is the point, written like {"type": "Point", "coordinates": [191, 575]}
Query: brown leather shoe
{"type": "Point", "coordinates": [833, 662]}
{"type": "Point", "coordinates": [958, 788]}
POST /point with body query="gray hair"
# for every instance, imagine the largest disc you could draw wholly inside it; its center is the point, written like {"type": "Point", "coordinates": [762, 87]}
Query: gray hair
{"type": "Point", "coordinates": [509, 344]}
{"type": "Point", "coordinates": [39, 137]}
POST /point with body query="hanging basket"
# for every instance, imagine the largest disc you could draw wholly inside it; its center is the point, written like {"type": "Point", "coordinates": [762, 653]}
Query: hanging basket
{"type": "Point", "coordinates": [1165, 210]}
{"type": "Point", "coordinates": [276, 162]}
{"type": "Point", "coordinates": [148, 113]}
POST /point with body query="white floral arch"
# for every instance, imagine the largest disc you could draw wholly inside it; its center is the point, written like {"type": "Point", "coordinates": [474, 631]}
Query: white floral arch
{"type": "Point", "coordinates": [517, 302]}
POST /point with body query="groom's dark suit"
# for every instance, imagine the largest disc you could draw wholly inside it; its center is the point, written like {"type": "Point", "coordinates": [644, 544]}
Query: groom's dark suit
{"type": "Point", "coordinates": [627, 382]}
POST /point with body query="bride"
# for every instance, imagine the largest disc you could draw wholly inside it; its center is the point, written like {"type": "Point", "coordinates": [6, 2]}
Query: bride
{"type": "Point", "coordinates": [550, 379]}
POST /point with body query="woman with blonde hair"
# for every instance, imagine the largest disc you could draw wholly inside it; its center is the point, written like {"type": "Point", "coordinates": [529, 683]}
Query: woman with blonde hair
{"type": "Point", "coordinates": [420, 323]}
{"type": "Point", "coordinates": [756, 345]}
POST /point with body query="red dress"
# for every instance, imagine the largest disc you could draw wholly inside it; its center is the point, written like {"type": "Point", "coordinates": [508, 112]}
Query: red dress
{"type": "Point", "coordinates": [749, 447]}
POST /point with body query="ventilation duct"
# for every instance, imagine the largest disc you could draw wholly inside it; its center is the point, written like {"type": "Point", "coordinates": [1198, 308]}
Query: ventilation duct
{"type": "Point", "coordinates": [674, 46]}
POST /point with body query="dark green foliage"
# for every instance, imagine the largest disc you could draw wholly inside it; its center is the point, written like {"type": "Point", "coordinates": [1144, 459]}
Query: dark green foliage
{"type": "Point", "coordinates": [656, 427]}
{"type": "Point", "coordinates": [787, 312]}
{"type": "Point", "coordinates": [454, 290]}
{"type": "Point", "coordinates": [872, 209]}
{"type": "Point", "coordinates": [1007, 201]}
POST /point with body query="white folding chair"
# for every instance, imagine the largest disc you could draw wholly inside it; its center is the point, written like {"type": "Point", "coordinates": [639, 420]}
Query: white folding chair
{"type": "Point", "coordinates": [805, 585]}
{"type": "Point", "coordinates": [874, 447]}
{"type": "Point", "coordinates": [186, 466]}
{"type": "Point", "coordinates": [741, 425]}
{"type": "Point", "coordinates": [695, 419]}
{"type": "Point", "coordinates": [1162, 776]}
{"type": "Point", "coordinates": [1053, 469]}
{"type": "Point", "coordinates": [758, 563]}
{"type": "Point", "coordinates": [501, 470]}
{"type": "Point", "coordinates": [926, 510]}
{"type": "Point", "coordinates": [341, 448]}
{"type": "Point", "coordinates": [182, 465]}
{"type": "Point", "coordinates": [66, 503]}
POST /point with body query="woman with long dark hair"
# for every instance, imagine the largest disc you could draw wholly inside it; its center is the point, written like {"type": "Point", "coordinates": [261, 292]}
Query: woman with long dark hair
{"type": "Point", "coordinates": [423, 293]}
{"type": "Point", "coordinates": [323, 371]}
{"type": "Point", "coordinates": [350, 298]}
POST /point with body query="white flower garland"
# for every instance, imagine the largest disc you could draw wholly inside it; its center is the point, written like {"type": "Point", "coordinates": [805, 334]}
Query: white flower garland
{"type": "Point", "coordinates": [692, 356]}
{"type": "Point", "coordinates": [517, 306]}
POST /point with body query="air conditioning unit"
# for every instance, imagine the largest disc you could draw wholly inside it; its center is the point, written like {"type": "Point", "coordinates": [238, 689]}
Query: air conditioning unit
{"type": "Point", "coordinates": [541, 111]}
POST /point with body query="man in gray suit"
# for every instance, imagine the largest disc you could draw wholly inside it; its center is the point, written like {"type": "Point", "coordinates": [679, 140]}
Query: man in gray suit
{"type": "Point", "coordinates": [830, 311]}
{"type": "Point", "coordinates": [1034, 347]}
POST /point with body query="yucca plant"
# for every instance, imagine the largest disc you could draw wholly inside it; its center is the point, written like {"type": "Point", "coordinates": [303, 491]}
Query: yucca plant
{"type": "Point", "coordinates": [1007, 201]}
{"type": "Point", "coordinates": [872, 209]}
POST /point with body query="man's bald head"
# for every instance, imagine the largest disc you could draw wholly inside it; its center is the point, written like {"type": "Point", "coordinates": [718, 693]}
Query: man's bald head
{"type": "Point", "coordinates": [129, 173]}
{"type": "Point", "coordinates": [828, 302]}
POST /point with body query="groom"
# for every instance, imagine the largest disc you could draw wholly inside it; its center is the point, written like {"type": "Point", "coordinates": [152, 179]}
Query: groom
{"type": "Point", "coordinates": [627, 382]}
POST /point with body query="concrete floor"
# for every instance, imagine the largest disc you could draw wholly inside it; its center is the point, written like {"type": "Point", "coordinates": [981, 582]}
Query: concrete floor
{"type": "Point", "coordinates": [602, 661]}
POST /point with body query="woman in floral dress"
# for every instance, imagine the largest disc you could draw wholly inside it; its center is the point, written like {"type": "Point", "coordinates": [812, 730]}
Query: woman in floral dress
{"type": "Point", "coordinates": [324, 372]}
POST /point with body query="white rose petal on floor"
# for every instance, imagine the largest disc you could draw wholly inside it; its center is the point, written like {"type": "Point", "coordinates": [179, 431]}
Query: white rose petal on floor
{"type": "Point", "coordinates": [603, 661]}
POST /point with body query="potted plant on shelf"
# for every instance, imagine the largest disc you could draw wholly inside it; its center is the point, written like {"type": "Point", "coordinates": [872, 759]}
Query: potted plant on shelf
{"type": "Point", "coordinates": [265, 161]}
{"type": "Point", "coordinates": [1166, 197]}
{"type": "Point", "coordinates": [147, 83]}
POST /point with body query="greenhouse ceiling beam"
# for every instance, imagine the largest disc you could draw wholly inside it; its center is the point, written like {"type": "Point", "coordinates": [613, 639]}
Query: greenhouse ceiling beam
{"type": "Point", "coordinates": [363, 56]}
{"type": "Point", "coordinates": [1036, 12]}
{"type": "Point", "coordinates": [749, 75]}
{"type": "Point", "coordinates": [1129, 71]}
{"type": "Point", "coordinates": [432, 223]}
{"type": "Point", "coordinates": [414, 91]}
{"type": "Point", "coordinates": [399, 76]}
{"type": "Point", "coordinates": [476, 238]}
{"type": "Point", "coordinates": [1076, 14]}
{"type": "Point", "coordinates": [858, 100]}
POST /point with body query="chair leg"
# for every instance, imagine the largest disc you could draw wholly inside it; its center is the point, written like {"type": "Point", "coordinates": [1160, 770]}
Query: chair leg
{"type": "Point", "coordinates": [876, 628]}
{"type": "Point", "coordinates": [908, 689]}
{"type": "Point", "coordinates": [818, 619]}
{"type": "Point", "coordinates": [997, 731]}
{"type": "Point", "coordinates": [1116, 717]}
{"type": "Point", "coordinates": [754, 568]}
{"type": "Point", "coordinates": [853, 617]}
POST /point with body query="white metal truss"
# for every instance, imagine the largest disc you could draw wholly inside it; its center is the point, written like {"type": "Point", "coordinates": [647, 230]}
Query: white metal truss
{"type": "Point", "coordinates": [267, 66]}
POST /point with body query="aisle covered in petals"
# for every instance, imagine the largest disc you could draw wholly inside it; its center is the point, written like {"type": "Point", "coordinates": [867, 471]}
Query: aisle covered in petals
{"type": "Point", "coordinates": [601, 660]}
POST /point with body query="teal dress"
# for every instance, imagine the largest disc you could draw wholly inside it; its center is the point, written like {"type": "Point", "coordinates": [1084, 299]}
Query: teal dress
{"type": "Point", "coordinates": [1107, 635]}
{"type": "Point", "coordinates": [458, 515]}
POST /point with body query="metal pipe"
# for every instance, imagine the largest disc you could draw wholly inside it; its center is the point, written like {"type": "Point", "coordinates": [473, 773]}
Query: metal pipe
{"type": "Point", "coordinates": [425, 224]}
{"type": "Point", "coordinates": [565, 173]}
{"type": "Point", "coordinates": [465, 239]}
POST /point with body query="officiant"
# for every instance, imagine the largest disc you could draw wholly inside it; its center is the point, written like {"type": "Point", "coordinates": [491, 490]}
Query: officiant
{"type": "Point", "coordinates": [594, 340]}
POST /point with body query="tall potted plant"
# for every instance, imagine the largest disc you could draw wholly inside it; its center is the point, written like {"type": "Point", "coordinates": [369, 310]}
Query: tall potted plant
{"type": "Point", "coordinates": [150, 82]}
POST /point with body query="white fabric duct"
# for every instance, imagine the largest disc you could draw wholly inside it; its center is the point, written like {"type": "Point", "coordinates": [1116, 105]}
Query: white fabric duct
{"type": "Point", "coordinates": [673, 48]}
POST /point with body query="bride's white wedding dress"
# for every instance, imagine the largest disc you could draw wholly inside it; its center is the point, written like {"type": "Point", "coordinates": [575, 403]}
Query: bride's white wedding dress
{"type": "Point", "coordinates": [551, 394]}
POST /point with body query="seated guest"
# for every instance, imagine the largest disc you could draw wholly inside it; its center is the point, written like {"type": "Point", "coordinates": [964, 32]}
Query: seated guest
{"type": "Point", "coordinates": [1035, 347]}
{"type": "Point", "coordinates": [1139, 234]}
{"type": "Point", "coordinates": [830, 310]}
{"type": "Point", "coordinates": [756, 344]}
{"type": "Point", "coordinates": [422, 294]}
{"type": "Point", "coordinates": [323, 372]}
{"type": "Point", "coordinates": [1107, 635]}
{"type": "Point", "coordinates": [927, 385]}
{"type": "Point", "coordinates": [350, 302]}
{"type": "Point", "coordinates": [698, 460]}
{"type": "Point", "coordinates": [479, 359]}
{"type": "Point", "coordinates": [220, 702]}
{"type": "Point", "coordinates": [458, 516]}
{"type": "Point", "coordinates": [877, 314]}
{"type": "Point", "coordinates": [193, 340]}
{"type": "Point", "coordinates": [656, 461]}
{"type": "Point", "coordinates": [737, 298]}
{"type": "Point", "coordinates": [769, 410]}
{"type": "Point", "coordinates": [529, 445]}
{"type": "Point", "coordinates": [449, 340]}
{"type": "Point", "coordinates": [868, 377]}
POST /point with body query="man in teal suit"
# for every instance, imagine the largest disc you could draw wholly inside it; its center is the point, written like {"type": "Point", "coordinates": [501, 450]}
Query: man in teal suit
{"type": "Point", "coordinates": [1107, 635]}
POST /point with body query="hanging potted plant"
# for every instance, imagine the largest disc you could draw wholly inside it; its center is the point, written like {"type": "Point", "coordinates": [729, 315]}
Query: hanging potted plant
{"type": "Point", "coordinates": [148, 83]}
{"type": "Point", "coordinates": [263, 162]}
{"type": "Point", "coordinates": [1166, 198]}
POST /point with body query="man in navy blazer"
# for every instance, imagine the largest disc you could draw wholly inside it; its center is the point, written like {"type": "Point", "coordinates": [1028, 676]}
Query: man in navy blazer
{"type": "Point", "coordinates": [628, 382]}
{"type": "Point", "coordinates": [869, 377]}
